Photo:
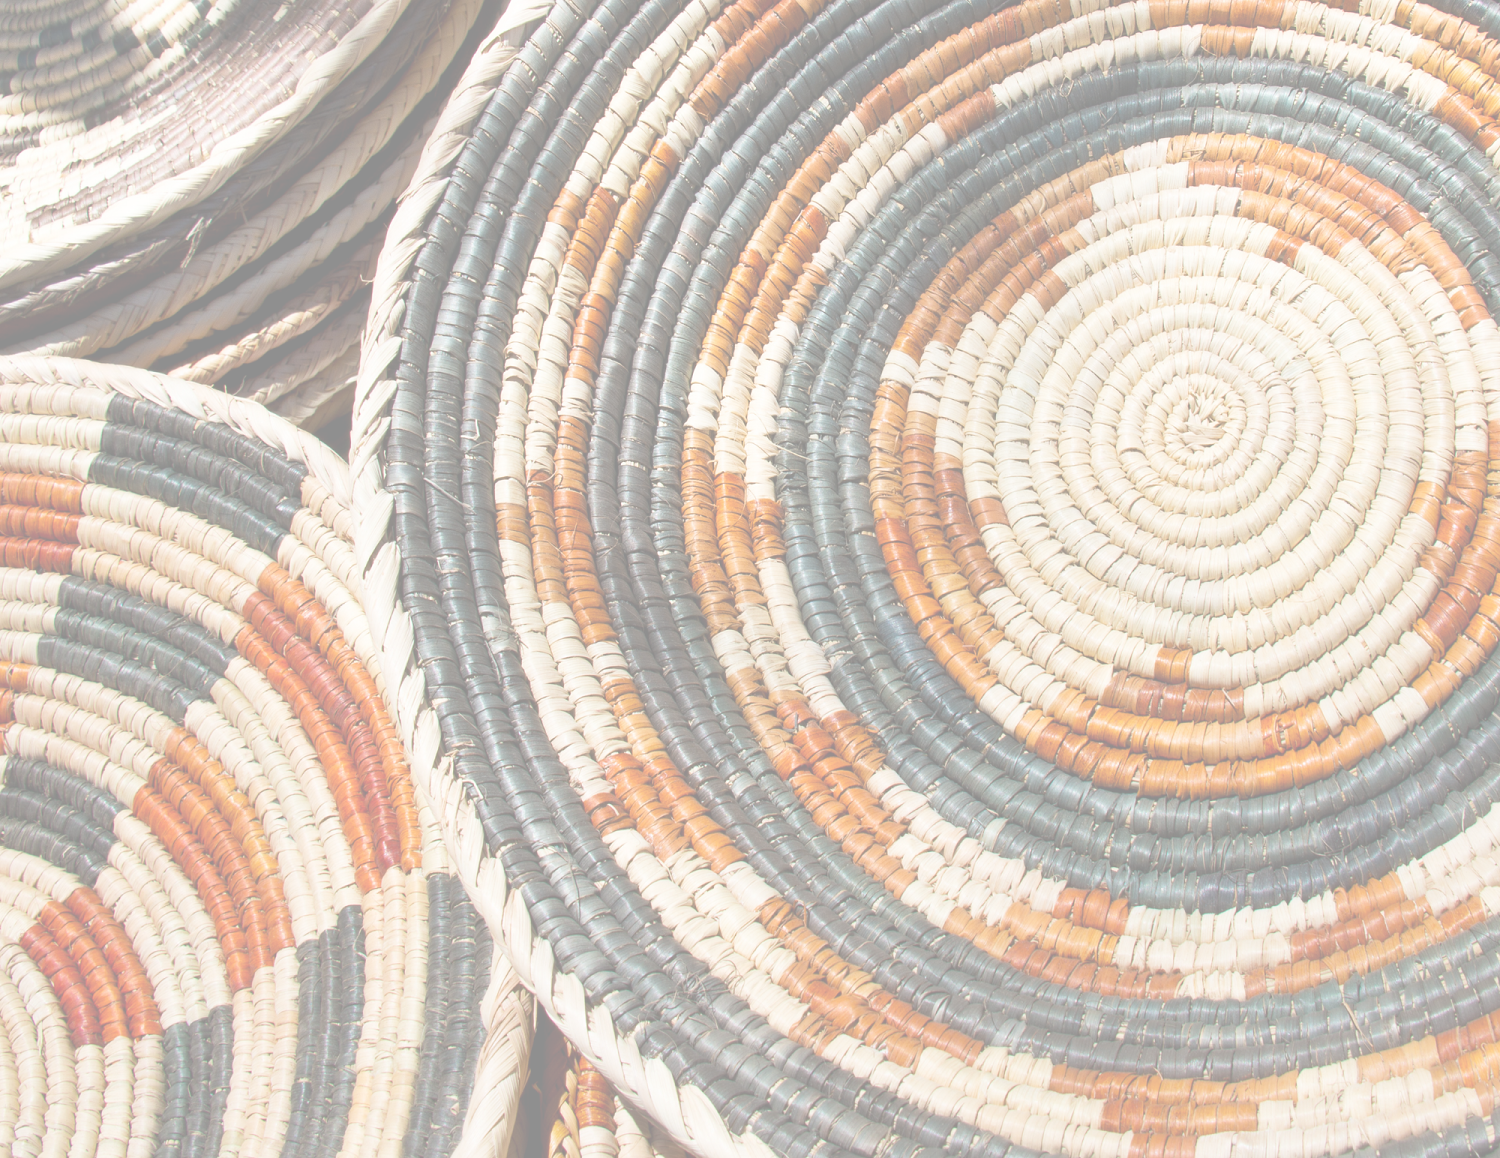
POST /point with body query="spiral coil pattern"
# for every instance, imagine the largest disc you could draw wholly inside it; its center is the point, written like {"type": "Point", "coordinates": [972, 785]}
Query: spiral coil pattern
{"type": "Point", "coordinates": [951, 558]}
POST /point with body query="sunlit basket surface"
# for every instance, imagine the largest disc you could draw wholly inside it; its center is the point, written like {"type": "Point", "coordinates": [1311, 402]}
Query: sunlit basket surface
{"type": "Point", "coordinates": [227, 922]}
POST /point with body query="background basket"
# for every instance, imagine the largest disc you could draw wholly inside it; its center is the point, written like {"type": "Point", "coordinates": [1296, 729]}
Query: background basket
{"type": "Point", "coordinates": [211, 202]}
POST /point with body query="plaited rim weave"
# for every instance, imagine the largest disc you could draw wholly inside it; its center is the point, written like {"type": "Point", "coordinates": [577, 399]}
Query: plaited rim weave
{"type": "Point", "coordinates": [952, 554]}
{"type": "Point", "coordinates": [590, 1121]}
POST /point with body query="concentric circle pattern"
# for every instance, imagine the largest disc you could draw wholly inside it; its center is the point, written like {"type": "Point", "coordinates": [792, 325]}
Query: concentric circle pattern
{"type": "Point", "coordinates": [952, 558]}
{"type": "Point", "coordinates": [227, 924]}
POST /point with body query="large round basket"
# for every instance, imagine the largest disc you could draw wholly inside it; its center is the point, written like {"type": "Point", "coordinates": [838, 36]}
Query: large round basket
{"type": "Point", "coordinates": [943, 562]}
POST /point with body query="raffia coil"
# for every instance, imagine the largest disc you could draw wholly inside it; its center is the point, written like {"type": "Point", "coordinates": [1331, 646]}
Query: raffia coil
{"type": "Point", "coordinates": [228, 921]}
{"type": "Point", "coordinates": [943, 561]}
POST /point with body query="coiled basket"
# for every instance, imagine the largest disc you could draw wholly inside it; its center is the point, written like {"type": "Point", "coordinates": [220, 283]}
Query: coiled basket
{"type": "Point", "coordinates": [227, 922]}
{"type": "Point", "coordinates": [941, 566]}
{"type": "Point", "coordinates": [202, 187]}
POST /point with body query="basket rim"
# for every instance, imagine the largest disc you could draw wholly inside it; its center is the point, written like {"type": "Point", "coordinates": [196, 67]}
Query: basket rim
{"type": "Point", "coordinates": [148, 207]}
{"type": "Point", "coordinates": [691, 1119]}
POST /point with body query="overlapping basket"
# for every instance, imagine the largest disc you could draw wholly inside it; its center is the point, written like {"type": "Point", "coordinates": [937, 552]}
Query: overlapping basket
{"type": "Point", "coordinates": [949, 558]}
{"type": "Point", "coordinates": [227, 921]}
{"type": "Point", "coordinates": [202, 188]}
{"type": "Point", "coordinates": [585, 1118]}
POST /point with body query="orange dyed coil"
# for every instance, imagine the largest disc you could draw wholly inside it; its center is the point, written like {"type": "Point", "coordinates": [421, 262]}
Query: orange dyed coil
{"type": "Point", "coordinates": [223, 896]}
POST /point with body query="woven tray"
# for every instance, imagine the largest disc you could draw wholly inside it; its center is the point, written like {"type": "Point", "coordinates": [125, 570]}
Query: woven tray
{"type": "Point", "coordinates": [227, 920]}
{"type": "Point", "coordinates": [250, 188]}
{"type": "Point", "coordinates": [945, 563]}
{"type": "Point", "coordinates": [177, 115]}
{"type": "Point", "coordinates": [259, 281]}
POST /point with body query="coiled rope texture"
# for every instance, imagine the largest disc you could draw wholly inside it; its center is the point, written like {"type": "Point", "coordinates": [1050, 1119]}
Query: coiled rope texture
{"type": "Point", "coordinates": [228, 925]}
{"type": "Point", "coordinates": [950, 555]}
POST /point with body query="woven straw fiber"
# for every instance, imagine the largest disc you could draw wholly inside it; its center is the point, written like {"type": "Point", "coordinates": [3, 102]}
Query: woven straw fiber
{"type": "Point", "coordinates": [228, 921]}
{"type": "Point", "coordinates": [937, 564]}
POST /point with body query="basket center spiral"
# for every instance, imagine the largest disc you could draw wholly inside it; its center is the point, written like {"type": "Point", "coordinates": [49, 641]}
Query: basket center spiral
{"type": "Point", "coordinates": [1197, 431]}
{"type": "Point", "coordinates": [1105, 424]}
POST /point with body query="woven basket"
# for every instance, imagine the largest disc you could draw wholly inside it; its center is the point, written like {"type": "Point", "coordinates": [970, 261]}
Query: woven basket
{"type": "Point", "coordinates": [227, 920]}
{"type": "Point", "coordinates": [231, 244]}
{"type": "Point", "coordinates": [943, 563]}
{"type": "Point", "coordinates": [36, 306]}
{"type": "Point", "coordinates": [130, 133]}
